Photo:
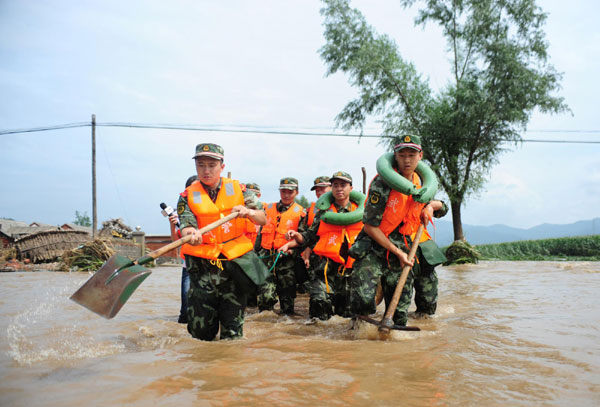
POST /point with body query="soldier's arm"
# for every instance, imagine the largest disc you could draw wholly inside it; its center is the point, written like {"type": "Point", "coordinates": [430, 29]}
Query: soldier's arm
{"type": "Point", "coordinates": [432, 209]}
{"type": "Point", "coordinates": [376, 202]}
{"type": "Point", "coordinates": [252, 209]}
{"type": "Point", "coordinates": [442, 211]}
{"type": "Point", "coordinates": [310, 234]}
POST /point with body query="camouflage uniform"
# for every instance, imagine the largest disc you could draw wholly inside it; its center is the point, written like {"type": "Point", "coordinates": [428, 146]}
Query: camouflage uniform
{"type": "Point", "coordinates": [214, 297]}
{"type": "Point", "coordinates": [281, 282]}
{"type": "Point", "coordinates": [323, 304]}
{"type": "Point", "coordinates": [217, 294]}
{"type": "Point", "coordinates": [374, 262]}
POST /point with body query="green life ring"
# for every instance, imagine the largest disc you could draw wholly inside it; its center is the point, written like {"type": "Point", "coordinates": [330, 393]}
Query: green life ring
{"type": "Point", "coordinates": [348, 218]}
{"type": "Point", "coordinates": [398, 183]}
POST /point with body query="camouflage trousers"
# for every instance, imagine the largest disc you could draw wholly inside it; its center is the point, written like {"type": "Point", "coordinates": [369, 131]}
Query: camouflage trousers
{"type": "Point", "coordinates": [367, 272]}
{"type": "Point", "coordinates": [280, 283]}
{"type": "Point", "coordinates": [333, 297]}
{"type": "Point", "coordinates": [214, 300]}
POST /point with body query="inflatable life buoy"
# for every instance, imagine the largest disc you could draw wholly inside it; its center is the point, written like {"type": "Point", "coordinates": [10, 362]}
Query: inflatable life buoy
{"type": "Point", "coordinates": [347, 218]}
{"type": "Point", "coordinates": [398, 183]}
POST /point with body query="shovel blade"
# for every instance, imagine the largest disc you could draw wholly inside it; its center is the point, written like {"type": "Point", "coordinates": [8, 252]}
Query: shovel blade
{"type": "Point", "coordinates": [396, 327]}
{"type": "Point", "coordinates": [105, 292]}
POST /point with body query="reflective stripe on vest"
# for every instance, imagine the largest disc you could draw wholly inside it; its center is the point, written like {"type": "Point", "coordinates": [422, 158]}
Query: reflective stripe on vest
{"type": "Point", "coordinates": [229, 238]}
{"type": "Point", "coordinates": [331, 239]}
{"type": "Point", "coordinates": [273, 233]}
{"type": "Point", "coordinates": [403, 212]}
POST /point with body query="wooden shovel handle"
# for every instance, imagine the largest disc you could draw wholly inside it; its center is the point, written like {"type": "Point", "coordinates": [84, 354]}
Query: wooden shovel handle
{"type": "Point", "coordinates": [173, 245]}
{"type": "Point", "coordinates": [386, 322]}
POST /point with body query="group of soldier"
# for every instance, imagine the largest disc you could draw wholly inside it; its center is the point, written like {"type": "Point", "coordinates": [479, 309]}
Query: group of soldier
{"type": "Point", "coordinates": [269, 252]}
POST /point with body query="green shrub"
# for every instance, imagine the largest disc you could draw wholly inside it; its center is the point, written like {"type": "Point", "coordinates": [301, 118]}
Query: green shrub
{"type": "Point", "coordinates": [571, 248]}
{"type": "Point", "coordinates": [461, 252]}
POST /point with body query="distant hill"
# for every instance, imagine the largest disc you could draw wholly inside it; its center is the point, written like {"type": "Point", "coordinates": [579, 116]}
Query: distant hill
{"type": "Point", "coordinates": [501, 233]}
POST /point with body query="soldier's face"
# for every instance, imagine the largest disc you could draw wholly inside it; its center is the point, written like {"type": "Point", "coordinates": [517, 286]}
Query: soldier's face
{"type": "Point", "coordinates": [209, 170]}
{"type": "Point", "coordinates": [341, 190]}
{"type": "Point", "coordinates": [288, 195]}
{"type": "Point", "coordinates": [321, 190]}
{"type": "Point", "coordinates": [407, 160]}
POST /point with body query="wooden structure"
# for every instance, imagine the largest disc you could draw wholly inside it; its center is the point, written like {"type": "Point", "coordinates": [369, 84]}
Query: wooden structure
{"type": "Point", "coordinates": [49, 245]}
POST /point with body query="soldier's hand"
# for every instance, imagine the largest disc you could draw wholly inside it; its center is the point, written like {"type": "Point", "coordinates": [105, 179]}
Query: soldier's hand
{"type": "Point", "coordinates": [241, 210]}
{"type": "Point", "coordinates": [403, 257]}
{"type": "Point", "coordinates": [285, 248]}
{"type": "Point", "coordinates": [291, 234]}
{"type": "Point", "coordinates": [196, 237]}
{"type": "Point", "coordinates": [427, 214]}
{"type": "Point", "coordinates": [306, 257]}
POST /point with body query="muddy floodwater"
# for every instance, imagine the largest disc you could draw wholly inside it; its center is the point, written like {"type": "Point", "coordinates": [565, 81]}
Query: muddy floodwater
{"type": "Point", "coordinates": [506, 334]}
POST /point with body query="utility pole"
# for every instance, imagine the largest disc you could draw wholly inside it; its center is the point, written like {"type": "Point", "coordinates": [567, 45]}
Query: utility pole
{"type": "Point", "coordinates": [364, 172]}
{"type": "Point", "coordinates": [94, 213]}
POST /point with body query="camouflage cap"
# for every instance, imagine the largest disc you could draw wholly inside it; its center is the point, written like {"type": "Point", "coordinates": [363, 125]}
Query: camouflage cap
{"type": "Point", "coordinates": [322, 181]}
{"type": "Point", "coordinates": [288, 183]}
{"type": "Point", "coordinates": [210, 150]}
{"type": "Point", "coordinates": [344, 176]}
{"type": "Point", "coordinates": [252, 186]}
{"type": "Point", "coordinates": [409, 141]}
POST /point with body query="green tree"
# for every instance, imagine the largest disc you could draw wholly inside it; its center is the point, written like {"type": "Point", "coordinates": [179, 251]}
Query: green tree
{"type": "Point", "coordinates": [82, 219]}
{"type": "Point", "coordinates": [500, 75]}
{"type": "Point", "coordinates": [303, 201]}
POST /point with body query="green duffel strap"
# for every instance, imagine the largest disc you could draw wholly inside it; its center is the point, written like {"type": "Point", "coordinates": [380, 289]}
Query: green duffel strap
{"type": "Point", "coordinates": [432, 253]}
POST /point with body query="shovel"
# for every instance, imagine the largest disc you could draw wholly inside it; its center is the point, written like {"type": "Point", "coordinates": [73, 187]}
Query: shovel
{"type": "Point", "coordinates": [386, 322]}
{"type": "Point", "coordinates": [111, 286]}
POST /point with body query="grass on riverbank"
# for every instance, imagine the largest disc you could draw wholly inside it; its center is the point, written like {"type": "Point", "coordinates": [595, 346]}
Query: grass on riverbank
{"type": "Point", "coordinates": [565, 248]}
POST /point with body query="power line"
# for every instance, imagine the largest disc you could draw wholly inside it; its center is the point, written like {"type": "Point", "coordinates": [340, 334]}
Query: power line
{"type": "Point", "coordinates": [46, 128]}
{"type": "Point", "coordinates": [258, 130]}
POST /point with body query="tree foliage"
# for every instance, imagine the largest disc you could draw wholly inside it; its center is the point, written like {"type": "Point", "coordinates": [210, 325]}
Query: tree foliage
{"type": "Point", "coordinates": [82, 219]}
{"type": "Point", "coordinates": [500, 75]}
{"type": "Point", "coordinates": [303, 201]}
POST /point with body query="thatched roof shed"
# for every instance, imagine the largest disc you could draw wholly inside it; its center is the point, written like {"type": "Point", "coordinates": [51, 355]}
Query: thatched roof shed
{"type": "Point", "coordinates": [49, 245]}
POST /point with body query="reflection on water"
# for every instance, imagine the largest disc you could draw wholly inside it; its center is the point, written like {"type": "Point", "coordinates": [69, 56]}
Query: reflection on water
{"type": "Point", "coordinates": [506, 333]}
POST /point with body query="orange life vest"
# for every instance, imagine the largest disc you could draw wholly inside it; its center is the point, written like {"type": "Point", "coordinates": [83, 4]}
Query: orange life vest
{"type": "Point", "coordinates": [251, 230]}
{"type": "Point", "coordinates": [311, 214]}
{"type": "Point", "coordinates": [229, 238]}
{"type": "Point", "coordinates": [273, 233]}
{"type": "Point", "coordinates": [331, 238]}
{"type": "Point", "coordinates": [404, 212]}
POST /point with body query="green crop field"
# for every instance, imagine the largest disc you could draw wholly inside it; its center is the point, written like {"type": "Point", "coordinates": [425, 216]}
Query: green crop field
{"type": "Point", "coordinates": [566, 248]}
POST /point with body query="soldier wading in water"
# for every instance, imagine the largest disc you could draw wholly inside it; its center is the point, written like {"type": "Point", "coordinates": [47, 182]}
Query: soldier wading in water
{"type": "Point", "coordinates": [330, 283]}
{"type": "Point", "coordinates": [221, 263]}
{"type": "Point", "coordinates": [281, 216]}
{"type": "Point", "coordinates": [391, 220]}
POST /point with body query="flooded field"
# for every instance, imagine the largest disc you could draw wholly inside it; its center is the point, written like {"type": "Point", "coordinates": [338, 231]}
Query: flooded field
{"type": "Point", "coordinates": [506, 334]}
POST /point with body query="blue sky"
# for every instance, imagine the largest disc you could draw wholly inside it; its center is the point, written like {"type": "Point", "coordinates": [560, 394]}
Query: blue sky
{"type": "Point", "coordinates": [252, 63]}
